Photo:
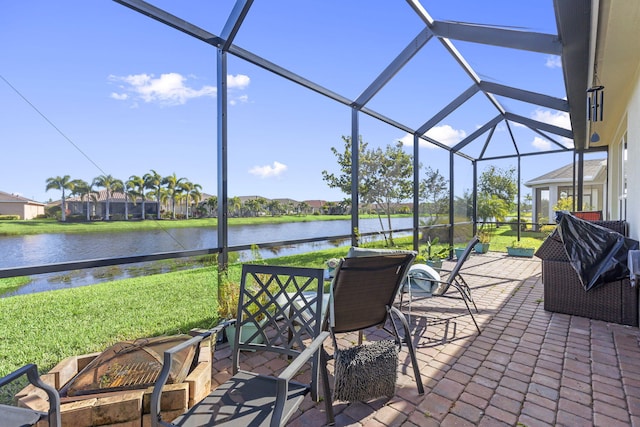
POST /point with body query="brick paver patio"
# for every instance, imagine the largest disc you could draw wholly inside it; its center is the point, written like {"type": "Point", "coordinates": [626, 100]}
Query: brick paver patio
{"type": "Point", "coordinates": [528, 368]}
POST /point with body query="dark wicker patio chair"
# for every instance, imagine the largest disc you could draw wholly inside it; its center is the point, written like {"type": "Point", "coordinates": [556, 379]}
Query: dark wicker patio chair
{"type": "Point", "coordinates": [282, 295]}
{"type": "Point", "coordinates": [362, 296]}
{"type": "Point", "coordinates": [11, 416]}
{"type": "Point", "coordinates": [440, 287]}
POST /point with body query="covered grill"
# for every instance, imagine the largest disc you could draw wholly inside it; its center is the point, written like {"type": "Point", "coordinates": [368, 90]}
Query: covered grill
{"type": "Point", "coordinates": [130, 365]}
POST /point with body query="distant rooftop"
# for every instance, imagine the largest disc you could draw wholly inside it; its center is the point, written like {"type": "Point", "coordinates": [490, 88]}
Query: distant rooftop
{"type": "Point", "coordinates": [592, 170]}
{"type": "Point", "coordinates": [14, 198]}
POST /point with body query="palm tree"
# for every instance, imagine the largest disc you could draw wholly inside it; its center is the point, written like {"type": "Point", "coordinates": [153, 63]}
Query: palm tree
{"type": "Point", "coordinates": [153, 181]}
{"type": "Point", "coordinates": [192, 192]}
{"type": "Point", "coordinates": [84, 189]}
{"type": "Point", "coordinates": [136, 185]}
{"type": "Point", "coordinates": [234, 204]}
{"type": "Point", "coordinates": [130, 195]}
{"type": "Point", "coordinates": [194, 195]}
{"type": "Point", "coordinates": [303, 208]}
{"type": "Point", "coordinates": [275, 207]}
{"type": "Point", "coordinates": [174, 189]}
{"type": "Point", "coordinates": [290, 208]}
{"type": "Point", "coordinates": [252, 205]}
{"type": "Point", "coordinates": [164, 196]}
{"type": "Point", "coordinates": [61, 183]}
{"type": "Point", "coordinates": [212, 203]}
{"type": "Point", "coordinates": [110, 184]}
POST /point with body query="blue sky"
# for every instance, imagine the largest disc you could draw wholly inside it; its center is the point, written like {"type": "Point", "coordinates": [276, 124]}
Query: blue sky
{"type": "Point", "coordinates": [92, 87]}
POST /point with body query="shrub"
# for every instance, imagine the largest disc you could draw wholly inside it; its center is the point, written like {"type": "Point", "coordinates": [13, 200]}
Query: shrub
{"type": "Point", "coordinates": [513, 223]}
{"type": "Point", "coordinates": [547, 229]}
{"type": "Point", "coordinates": [9, 217]}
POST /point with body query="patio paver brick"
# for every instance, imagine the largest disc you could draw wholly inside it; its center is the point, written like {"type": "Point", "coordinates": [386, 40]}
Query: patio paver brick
{"type": "Point", "coordinates": [529, 367]}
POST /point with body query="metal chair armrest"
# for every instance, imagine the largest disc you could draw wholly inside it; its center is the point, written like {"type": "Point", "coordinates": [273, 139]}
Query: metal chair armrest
{"type": "Point", "coordinates": [303, 357]}
{"type": "Point", "coordinates": [166, 370]}
{"type": "Point", "coordinates": [282, 381]}
{"type": "Point", "coordinates": [31, 370]}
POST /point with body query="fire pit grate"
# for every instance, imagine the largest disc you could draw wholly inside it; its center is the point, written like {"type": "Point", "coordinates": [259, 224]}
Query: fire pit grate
{"type": "Point", "coordinates": [130, 365]}
{"type": "Point", "coordinates": [130, 376]}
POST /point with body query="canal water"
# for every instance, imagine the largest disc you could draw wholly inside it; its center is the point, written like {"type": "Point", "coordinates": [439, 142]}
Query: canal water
{"type": "Point", "coordinates": [41, 249]}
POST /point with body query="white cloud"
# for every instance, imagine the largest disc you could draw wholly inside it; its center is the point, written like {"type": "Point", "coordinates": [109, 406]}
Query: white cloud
{"type": "Point", "coordinates": [119, 96]}
{"type": "Point", "coordinates": [557, 118]}
{"type": "Point", "coordinates": [242, 99]}
{"type": "Point", "coordinates": [169, 88]}
{"type": "Point", "coordinates": [444, 134]}
{"type": "Point", "coordinates": [268, 171]}
{"type": "Point", "coordinates": [239, 81]}
{"type": "Point", "coordinates": [407, 140]}
{"type": "Point", "coordinates": [541, 143]}
{"type": "Point", "coordinates": [553, 61]}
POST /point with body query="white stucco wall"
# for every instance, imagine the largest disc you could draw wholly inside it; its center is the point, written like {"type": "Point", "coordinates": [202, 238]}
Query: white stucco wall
{"type": "Point", "coordinates": [23, 210]}
{"type": "Point", "coordinates": [633, 169]}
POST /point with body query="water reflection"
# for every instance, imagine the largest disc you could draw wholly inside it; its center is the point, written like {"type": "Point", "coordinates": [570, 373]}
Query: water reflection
{"type": "Point", "coordinates": [18, 251]}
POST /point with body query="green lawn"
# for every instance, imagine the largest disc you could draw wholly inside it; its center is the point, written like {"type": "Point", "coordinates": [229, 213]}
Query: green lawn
{"type": "Point", "coordinates": [504, 236]}
{"type": "Point", "coordinates": [46, 327]}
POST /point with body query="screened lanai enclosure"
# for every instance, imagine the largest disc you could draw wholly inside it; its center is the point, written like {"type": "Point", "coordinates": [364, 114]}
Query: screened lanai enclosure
{"type": "Point", "coordinates": [462, 85]}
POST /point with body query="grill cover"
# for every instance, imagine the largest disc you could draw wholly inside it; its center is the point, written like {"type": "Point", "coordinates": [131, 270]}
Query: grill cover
{"type": "Point", "coordinates": [131, 365]}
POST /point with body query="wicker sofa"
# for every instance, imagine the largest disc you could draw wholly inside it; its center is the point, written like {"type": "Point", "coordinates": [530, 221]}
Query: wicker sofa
{"type": "Point", "coordinates": [615, 302]}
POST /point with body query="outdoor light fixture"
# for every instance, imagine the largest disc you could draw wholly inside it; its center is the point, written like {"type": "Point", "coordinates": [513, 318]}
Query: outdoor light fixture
{"type": "Point", "coordinates": [595, 104]}
{"type": "Point", "coordinates": [595, 137]}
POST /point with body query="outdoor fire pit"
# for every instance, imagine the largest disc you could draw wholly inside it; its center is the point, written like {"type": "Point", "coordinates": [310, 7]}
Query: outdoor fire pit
{"type": "Point", "coordinates": [114, 387]}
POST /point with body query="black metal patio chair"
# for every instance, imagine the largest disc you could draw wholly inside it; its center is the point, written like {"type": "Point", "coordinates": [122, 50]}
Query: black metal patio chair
{"type": "Point", "coordinates": [426, 286]}
{"type": "Point", "coordinates": [276, 301]}
{"type": "Point", "coordinates": [362, 296]}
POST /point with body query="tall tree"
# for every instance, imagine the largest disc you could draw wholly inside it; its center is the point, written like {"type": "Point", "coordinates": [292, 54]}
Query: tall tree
{"type": "Point", "coordinates": [434, 189]}
{"type": "Point", "coordinates": [385, 178]}
{"type": "Point", "coordinates": [86, 193]}
{"type": "Point", "coordinates": [275, 207]}
{"type": "Point", "coordinates": [500, 183]}
{"type": "Point", "coordinates": [153, 182]}
{"type": "Point", "coordinates": [252, 205]}
{"type": "Point", "coordinates": [497, 192]}
{"type": "Point", "coordinates": [235, 204]}
{"type": "Point", "coordinates": [136, 185]}
{"type": "Point", "coordinates": [112, 185]}
{"type": "Point", "coordinates": [302, 208]}
{"type": "Point", "coordinates": [192, 194]}
{"type": "Point", "coordinates": [174, 190]}
{"type": "Point", "coordinates": [212, 203]}
{"type": "Point", "coordinates": [62, 183]}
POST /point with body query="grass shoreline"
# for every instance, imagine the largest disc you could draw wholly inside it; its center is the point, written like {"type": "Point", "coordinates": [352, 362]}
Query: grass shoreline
{"type": "Point", "coordinates": [44, 226]}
